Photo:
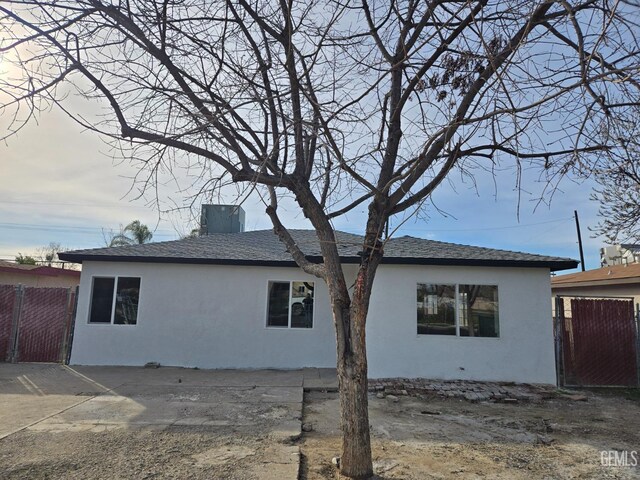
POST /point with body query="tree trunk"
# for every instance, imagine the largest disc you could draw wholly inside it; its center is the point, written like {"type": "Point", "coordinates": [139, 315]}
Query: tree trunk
{"type": "Point", "coordinates": [350, 315]}
{"type": "Point", "coordinates": [355, 461]}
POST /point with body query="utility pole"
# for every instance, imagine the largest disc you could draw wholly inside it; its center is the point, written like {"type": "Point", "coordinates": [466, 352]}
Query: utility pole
{"type": "Point", "coordinates": [575, 214]}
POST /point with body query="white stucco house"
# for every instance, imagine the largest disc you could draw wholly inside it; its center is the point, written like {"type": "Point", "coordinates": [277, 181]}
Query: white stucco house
{"type": "Point", "coordinates": [237, 300]}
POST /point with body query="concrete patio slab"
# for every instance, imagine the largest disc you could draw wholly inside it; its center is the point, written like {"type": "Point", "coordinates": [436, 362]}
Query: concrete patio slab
{"type": "Point", "coordinates": [113, 376]}
{"type": "Point", "coordinates": [320, 379]}
{"type": "Point", "coordinates": [46, 399]}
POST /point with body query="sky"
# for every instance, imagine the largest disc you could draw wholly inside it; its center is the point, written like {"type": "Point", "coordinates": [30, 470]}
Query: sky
{"type": "Point", "coordinates": [61, 184]}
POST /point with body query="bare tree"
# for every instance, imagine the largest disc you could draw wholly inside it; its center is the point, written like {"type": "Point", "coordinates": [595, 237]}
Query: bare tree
{"type": "Point", "coordinates": [48, 254]}
{"type": "Point", "coordinates": [619, 180]}
{"type": "Point", "coordinates": [337, 104]}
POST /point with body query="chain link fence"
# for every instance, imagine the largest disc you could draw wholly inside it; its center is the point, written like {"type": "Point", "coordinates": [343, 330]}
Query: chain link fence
{"type": "Point", "coordinates": [36, 323]}
{"type": "Point", "coordinates": [597, 341]}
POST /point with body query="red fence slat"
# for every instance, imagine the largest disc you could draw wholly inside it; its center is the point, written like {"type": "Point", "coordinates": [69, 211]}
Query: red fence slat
{"type": "Point", "coordinates": [43, 321]}
{"type": "Point", "coordinates": [7, 301]}
{"type": "Point", "coordinates": [599, 343]}
{"type": "Point", "coordinates": [42, 324]}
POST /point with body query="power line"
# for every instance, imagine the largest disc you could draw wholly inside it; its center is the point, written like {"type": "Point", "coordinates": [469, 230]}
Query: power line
{"type": "Point", "coordinates": [32, 226]}
{"type": "Point", "coordinates": [67, 228]}
{"type": "Point", "coordinates": [110, 205]}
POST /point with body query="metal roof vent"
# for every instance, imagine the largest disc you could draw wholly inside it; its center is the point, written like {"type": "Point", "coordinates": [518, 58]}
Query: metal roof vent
{"type": "Point", "coordinates": [221, 219]}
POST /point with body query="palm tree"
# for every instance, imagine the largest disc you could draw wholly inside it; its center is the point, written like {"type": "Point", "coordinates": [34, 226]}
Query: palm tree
{"type": "Point", "coordinates": [134, 233]}
{"type": "Point", "coordinates": [139, 232]}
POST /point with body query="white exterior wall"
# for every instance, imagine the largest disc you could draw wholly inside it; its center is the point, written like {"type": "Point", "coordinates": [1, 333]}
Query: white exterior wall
{"type": "Point", "coordinates": [215, 317]}
{"type": "Point", "coordinates": [202, 316]}
{"type": "Point", "coordinates": [524, 352]}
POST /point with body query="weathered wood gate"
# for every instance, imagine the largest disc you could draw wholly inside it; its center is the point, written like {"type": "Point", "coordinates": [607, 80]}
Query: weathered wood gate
{"type": "Point", "coordinates": [36, 324]}
{"type": "Point", "coordinates": [596, 341]}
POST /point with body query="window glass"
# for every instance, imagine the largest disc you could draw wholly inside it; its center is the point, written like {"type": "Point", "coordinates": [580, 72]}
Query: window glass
{"type": "Point", "coordinates": [101, 300]}
{"type": "Point", "coordinates": [479, 310]}
{"type": "Point", "coordinates": [278, 307]}
{"type": "Point", "coordinates": [127, 295]}
{"type": "Point", "coordinates": [436, 309]}
{"type": "Point", "coordinates": [302, 304]}
{"type": "Point", "coordinates": [290, 304]}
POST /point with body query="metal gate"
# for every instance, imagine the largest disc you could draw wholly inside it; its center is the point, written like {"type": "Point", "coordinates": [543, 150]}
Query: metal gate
{"type": "Point", "coordinates": [596, 342]}
{"type": "Point", "coordinates": [36, 324]}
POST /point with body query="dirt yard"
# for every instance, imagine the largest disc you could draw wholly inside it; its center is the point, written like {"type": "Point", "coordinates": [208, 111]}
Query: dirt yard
{"type": "Point", "coordinates": [133, 423]}
{"type": "Point", "coordinates": [174, 453]}
{"type": "Point", "coordinates": [436, 438]}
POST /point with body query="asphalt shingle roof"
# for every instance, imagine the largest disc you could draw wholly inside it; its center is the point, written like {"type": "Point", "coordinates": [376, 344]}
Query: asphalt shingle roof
{"type": "Point", "coordinates": [604, 274]}
{"type": "Point", "coordinates": [11, 267]}
{"type": "Point", "coordinates": [262, 247]}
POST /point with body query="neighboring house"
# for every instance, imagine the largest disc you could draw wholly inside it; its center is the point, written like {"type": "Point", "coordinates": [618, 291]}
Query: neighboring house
{"type": "Point", "coordinates": [37, 275]}
{"type": "Point", "coordinates": [612, 281]}
{"type": "Point", "coordinates": [622, 254]}
{"type": "Point", "coordinates": [238, 300]}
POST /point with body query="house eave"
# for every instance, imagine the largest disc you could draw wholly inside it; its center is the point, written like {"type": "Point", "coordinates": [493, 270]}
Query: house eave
{"type": "Point", "coordinates": [597, 283]}
{"type": "Point", "coordinates": [553, 266]}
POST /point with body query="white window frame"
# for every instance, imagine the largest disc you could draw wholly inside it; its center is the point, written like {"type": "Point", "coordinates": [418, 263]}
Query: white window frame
{"type": "Point", "coordinates": [113, 300]}
{"type": "Point", "coordinates": [289, 327]}
{"type": "Point", "coordinates": [458, 309]}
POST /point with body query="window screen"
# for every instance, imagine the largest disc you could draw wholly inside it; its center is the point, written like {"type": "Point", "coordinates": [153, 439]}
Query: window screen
{"type": "Point", "coordinates": [278, 308]}
{"type": "Point", "coordinates": [101, 300]}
